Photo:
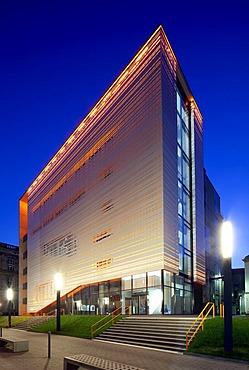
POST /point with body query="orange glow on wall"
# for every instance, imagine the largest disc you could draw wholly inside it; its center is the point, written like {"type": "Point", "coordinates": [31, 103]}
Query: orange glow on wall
{"type": "Point", "coordinates": [113, 89]}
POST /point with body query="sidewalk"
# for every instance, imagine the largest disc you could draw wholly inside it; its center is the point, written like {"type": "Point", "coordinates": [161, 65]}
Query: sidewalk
{"type": "Point", "coordinates": [61, 346]}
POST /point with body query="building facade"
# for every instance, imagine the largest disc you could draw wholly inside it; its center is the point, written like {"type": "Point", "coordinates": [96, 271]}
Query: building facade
{"type": "Point", "coordinates": [246, 295]}
{"type": "Point", "coordinates": [9, 255]}
{"type": "Point", "coordinates": [119, 209]}
{"type": "Point", "coordinates": [238, 291]}
{"type": "Point", "coordinates": [214, 260]}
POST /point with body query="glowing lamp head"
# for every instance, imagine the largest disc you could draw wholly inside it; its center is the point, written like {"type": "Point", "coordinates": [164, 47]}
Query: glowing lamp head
{"type": "Point", "coordinates": [9, 294]}
{"type": "Point", "coordinates": [227, 239]}
{"type": "Point", "coordinates": [58, 281]}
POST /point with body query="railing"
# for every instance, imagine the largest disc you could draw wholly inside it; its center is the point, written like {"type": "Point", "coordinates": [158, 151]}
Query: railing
{"type": "Point", "coordinates": [113, 315]}
{"type": "Point", "coordinates": [202, 317]}
{"type": "Point", "coordinates": [222, 310]}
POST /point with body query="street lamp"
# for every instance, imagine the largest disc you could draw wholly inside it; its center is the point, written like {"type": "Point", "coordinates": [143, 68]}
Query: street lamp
{"type": "Point", "coordinates": [58, 286]}
{"type": "Point", "coordinates": [9, 298]}
{"type": "Point", "coordinates": [227, 247]}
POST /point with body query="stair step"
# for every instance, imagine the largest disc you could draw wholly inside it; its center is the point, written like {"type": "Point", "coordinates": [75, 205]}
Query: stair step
{"type": "Point", "coordinates": [163, 339]}
{"type": "Point", "coordinates": [167, 347]}
{"type": "Point", "coordinates": [168, 333]}
{"type": "Point", "coordinates": [32, 322]}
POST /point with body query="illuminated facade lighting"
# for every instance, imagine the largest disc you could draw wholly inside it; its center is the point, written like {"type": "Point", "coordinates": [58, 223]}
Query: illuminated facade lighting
{"type": "Point", "coordinates": [121, 204]}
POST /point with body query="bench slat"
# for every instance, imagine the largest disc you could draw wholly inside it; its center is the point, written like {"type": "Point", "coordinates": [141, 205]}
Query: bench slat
{"type": "Point", "coordinates": [92, 363]}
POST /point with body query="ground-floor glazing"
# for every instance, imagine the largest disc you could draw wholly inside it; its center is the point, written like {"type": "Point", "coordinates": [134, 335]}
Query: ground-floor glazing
{"type": "Point", "coordinates": [148, 293]}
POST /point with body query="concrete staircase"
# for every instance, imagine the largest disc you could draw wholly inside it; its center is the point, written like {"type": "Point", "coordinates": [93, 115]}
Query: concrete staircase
{"type": "Point", "coordinates": [32, 322]}
{"type": "Point", "coordinates": [161, 332]}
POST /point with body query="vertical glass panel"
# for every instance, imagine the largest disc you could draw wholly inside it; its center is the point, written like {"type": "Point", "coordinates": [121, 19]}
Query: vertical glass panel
{"type": "Point", "coordinates": [139, 301]}
{"type": "Point", "coordinates": [167, 278]}
{"type": "Point", "coordinates": [126, 283]}
{"type": "Point", "coordinates": [178, 102]}
{"type": "Point", "coordinates": [187, 302]}
{"type": "Point", "coordinates": [180, 211]}
{"type": "Point", "coordinates": [187, 264]}
{"type": "Point", "coordinates": [186, 237]}
{"type": "Point", "coordinates": [154, 301]}
{"type": "Point", "coordinates": [179, 154]}
{"type": "Point", "coordinates": [104, 287]}
{"type": "Point", "coordinates": [186, 205]}
{"type": "Point", "coordinates": [139, 281]}
{"type": "Point", "coordinates": [114, 301]}
{"type": "Point", "coordinates": [103, 304]}
{"type": "Point", "coordinates": [183, 112]}
{"type": "Point", "coordinates": [168, 300]}
{"type": "Point", "coordinates": [179, 301]}
{"type": "Point", "coordinates": [185, 141]}
{"type": "Point", "coordinates": [126, 300]}
{"type": "Point", "coordinates": [154, 278]}
{"type": "Point", "coordinates": [180, 230]}
{"type": "Point", "coordinates": [179, 130]}
{"type": "Point", "coordinates": [185, 172]}
{"type": "Point", "coordinates": [115, 286]}
{"type": "Point", "coordinates": [181, 262]}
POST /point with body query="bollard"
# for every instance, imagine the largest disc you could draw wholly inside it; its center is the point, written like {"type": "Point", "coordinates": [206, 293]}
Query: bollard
{"type": "Point", "coordinates": [1, 331]}
{"type": "Point", "coordinates": [49, 344]}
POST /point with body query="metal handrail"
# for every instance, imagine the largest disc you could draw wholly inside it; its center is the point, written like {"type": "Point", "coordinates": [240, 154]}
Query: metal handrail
{"type": "Point", "coordinates": [222, 310]}
{"type": "Point", "coordinates": [209, 306]}
{"type": "Point", "coordinates": [113, 316]}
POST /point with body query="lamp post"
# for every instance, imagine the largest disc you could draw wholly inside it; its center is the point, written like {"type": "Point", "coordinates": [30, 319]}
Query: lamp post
{"type": "Point", "coordinates": [227, 246]}
{"type": "Point", "coordinates": [9, 298]}
{"type": "Point", "coordinates": [58, 286]}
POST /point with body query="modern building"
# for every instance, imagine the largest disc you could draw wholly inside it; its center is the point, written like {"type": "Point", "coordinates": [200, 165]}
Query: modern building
{"type": "Point", "coordinates": [214, 286]}
{"type": "Point", "coordinates": [246, 296]}
{"type": "Point", "coordinates": [238, 291]}
{"type": "Point", "coordinates": [9, 256]}
{"type": "Point", "coordinates": [119, 209]}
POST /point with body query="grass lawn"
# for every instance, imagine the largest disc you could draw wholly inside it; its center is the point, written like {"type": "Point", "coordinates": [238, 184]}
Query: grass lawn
{"type": "Point", "coordinates": [211, 340]}
{"type": "Point", "coordinates": [14, 320]}
{"type": "Point", "coordinates": [74, 325]}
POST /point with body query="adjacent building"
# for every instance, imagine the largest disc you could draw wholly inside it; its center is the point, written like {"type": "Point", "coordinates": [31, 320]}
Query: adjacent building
{"type": "Point", "coordinates": [9, 255]}
{"type": "Point", "coordinates": [119, 209]}
{"type": "Point", "coordinates": [238, 291]}
{"type": "Point", "coordinates": [246, 296]}
{"type": "Point", "coordinates": [214, 260]}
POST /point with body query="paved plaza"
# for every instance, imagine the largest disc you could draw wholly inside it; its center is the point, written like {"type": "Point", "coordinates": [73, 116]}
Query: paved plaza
{"type": "Point", "coordinates": [37, 356]}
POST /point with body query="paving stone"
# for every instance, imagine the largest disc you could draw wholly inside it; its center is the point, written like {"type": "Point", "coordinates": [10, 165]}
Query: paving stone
{"type": "Point", "coordinates": [61, 346]}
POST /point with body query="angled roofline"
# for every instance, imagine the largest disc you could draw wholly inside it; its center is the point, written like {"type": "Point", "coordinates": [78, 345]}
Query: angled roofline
{"type": "Point", "coordinates": [107, 95]}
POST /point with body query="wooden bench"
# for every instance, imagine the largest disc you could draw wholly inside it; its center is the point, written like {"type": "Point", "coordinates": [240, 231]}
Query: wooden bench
{"type": "Point", "coordinates": [94, 363]}
{"type": "Point", "coordinates": [14, 345]}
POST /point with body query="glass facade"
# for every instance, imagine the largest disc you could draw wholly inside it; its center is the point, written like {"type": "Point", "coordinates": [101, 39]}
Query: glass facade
{"type": "Point", "coordinates": [183, 284]}
{"type": "Point", "coordinates": [151, 293]}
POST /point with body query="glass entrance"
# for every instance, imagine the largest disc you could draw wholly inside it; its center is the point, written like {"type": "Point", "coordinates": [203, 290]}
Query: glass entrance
{"type": "Point", "coordinates": [139, 304]}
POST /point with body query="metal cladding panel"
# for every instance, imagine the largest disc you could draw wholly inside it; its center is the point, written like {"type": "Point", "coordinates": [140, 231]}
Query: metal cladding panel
{"type": "Point", "coordinates": [96, 212]}
{"type": "Point", "coordinates": [198, 197]}
{"type": "Point", "coordinates": [171, 253]}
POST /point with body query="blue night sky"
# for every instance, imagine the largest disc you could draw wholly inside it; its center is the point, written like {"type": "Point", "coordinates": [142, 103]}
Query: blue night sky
{"type": "Point", "coordinates": [59, 57]}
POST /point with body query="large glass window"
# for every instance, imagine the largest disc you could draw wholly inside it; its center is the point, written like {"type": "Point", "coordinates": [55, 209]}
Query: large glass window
{"type": "Point", "coordinates": [139, 281]}
{"type": "Point", "coordinates": [126, 283]}
{"type": "Point", "coordinates": [154, 278]}
{"type": "Point", "coordinates": [154, 301]}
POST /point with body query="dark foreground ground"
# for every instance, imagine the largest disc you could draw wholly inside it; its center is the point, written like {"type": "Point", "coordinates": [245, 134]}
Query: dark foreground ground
{"type": "Point", "coordinates": [37, 356]}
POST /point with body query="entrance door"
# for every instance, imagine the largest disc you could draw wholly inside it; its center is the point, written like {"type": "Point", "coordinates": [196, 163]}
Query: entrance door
{"type": "Point", "coordinates": [139, 303]}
